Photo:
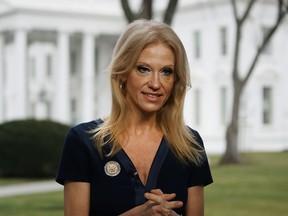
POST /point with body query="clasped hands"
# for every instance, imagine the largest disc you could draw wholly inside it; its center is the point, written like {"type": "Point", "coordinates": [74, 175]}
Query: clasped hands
{"type": "Point", "coordinates": [161, 204]}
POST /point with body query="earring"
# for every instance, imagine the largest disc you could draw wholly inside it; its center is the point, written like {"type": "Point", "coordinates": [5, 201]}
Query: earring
{"type": "Point", "coordinates": [121, 85]}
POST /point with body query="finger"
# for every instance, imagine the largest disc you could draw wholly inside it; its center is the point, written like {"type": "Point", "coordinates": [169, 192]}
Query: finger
{"type": "Point", "coordinates": [167, 197]}
{"type": "Point", "coordinates": [172, 205]}
{"type": "Point", "coordinates": [160, 200]}
{"type": "Point", "coordinates": [162, 210]}
{"type": "Point", "coordinates": [157, 191]}
{"type": "Point", "coordinates": [175, 204]}
{"type": "Point", "coordinates": [154, 197]}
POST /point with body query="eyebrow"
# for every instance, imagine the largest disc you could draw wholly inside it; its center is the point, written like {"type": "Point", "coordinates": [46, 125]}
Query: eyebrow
{"type": "Point", "coordinates": [165, 66]}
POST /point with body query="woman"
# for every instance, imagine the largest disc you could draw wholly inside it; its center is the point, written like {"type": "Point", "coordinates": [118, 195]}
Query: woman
{"type": "Point", "coordinates": [142, 159]}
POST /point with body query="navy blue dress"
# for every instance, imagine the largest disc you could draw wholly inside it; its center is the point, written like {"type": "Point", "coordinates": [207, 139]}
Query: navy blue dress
{"type": "Point", "coordinates": [114, 193]}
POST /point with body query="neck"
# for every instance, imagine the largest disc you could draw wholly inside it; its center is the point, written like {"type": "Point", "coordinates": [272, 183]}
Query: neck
{"type": "Point", "coordinates": [141, 124]}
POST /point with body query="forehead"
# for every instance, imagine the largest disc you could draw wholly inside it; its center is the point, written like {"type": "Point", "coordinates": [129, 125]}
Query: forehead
{"type": "Point", "coordinates": [157, 50]}
{"type": "Point", "coordinates": [158, 43]}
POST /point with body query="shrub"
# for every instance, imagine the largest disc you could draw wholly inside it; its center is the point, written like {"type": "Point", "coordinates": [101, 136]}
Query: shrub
{"type": "Point", "coordinates": [31, 148]}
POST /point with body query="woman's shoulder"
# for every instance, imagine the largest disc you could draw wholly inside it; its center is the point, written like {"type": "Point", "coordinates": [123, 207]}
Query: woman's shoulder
{"type": "Point", "coordinates": [194, 132]}
{"type": "Point", "coordinates": [87, 126]}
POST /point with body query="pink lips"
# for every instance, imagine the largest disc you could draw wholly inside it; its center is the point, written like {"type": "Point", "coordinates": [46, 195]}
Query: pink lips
{"type": "Point", "coordinates": [152, 96]}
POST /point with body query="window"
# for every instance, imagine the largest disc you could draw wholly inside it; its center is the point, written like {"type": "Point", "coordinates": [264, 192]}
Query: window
{"type": "Point", "coordinates": [49, 65]}
{"type": "Point", "coordinates": [96, 59]}
{"type": "Point", "coordinates": [32, 66]}
{"type": "Point", "coordinates": [267, 105]}
{"type": "Point", "coordinates": [73, 104]}
{"type": "Point", "coordinates": [197, 107]}
{"type": "Point", "coordinates": [49, 109]}
{"type": "Point", "coordinates": [197, 43]}
{"type": "Point", "coordinates": [223, 105]}
{"type": "Point", "coordinates": [268, 48]}
{"type": "Point", "coordinates": [4, 75]}
{"type": "Point", "coordinates": [33, 110]}
{"type": "Point", "coordinates": [223, 41]}
{"type": "Point", "coordinates": [73, 62]}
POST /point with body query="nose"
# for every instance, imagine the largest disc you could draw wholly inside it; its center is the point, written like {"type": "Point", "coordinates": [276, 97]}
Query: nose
{"type": "Point", "coordinates": [154, 81]}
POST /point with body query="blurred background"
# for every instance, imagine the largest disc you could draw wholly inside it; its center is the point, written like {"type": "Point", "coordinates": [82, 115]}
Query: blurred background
{"type": "Point", "coordinates": [54, 56]}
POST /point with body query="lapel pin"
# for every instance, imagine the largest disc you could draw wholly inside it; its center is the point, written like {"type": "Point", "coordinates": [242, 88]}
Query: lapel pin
{"type": "Point", "coordinates": [112, 168]}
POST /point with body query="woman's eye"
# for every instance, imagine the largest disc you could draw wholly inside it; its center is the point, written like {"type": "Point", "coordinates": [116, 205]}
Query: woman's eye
{"type": "Point", "coordinates": [167, 71]}
{"type": "Point", "coordinates": [143, 69]}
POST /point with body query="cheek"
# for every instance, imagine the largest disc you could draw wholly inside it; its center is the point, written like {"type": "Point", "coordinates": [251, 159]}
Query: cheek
{"type": "Point", "coordinates": [133, 86]}
{"type": "Point", "coordinates": [171, 94]}
{"type": "Point", "coordinates": [169, 87]}
{"type": "Point", "coordinates": [135, 82]}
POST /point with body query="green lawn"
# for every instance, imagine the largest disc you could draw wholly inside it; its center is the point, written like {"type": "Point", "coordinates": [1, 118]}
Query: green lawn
{"type": "Point", "coordinates": [11, 181]}
{"type": "Point", "coordinates": [259, 187]}
{"type": "Point", "coordinates": [48, 204]}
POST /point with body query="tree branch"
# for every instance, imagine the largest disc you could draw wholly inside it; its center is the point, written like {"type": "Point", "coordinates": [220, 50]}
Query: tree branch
{"type": "Point", "coordinates": [239, 23]}
{"type": "Point", "coordinates": [241, 20]}
{"type": "Point", "coordinates": [235, 12]}
{"type": "Point", "coordinates": [146, 10]}
{"type": "Point", "coordinates": [282, 12]}
{"type": "Point", "coordinates": [237, 43]}
{"type": "Point", "coordinates": [130, 16]}
{"type": "Point", "coordinates": [280, 5]}
{"type": "Point", "coordinates": [170, 11]}
{"type": "Point", "coordinates": [247, 11]}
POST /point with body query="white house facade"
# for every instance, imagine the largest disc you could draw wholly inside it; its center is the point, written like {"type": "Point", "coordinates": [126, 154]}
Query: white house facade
{"type": "Point", "coordinates": [54, 55]}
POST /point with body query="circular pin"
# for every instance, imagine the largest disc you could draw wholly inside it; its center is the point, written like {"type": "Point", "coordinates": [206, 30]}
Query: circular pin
{"type": "Point", "coordinates": [112, 168]}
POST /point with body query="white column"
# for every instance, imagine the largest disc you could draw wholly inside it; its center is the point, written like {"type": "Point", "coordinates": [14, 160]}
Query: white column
{"type": "Point", "coordinates": [2, 100]}
{"type": "Point", "coordinates": [20, 100]}
{"type": "Point", "coordinates": [61, 110]}
{"type": "Point", "coordinates": [87, 77]}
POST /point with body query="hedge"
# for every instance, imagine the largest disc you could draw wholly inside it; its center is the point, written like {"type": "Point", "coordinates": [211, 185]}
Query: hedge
{"type": "Point", "coordinates": [31, 148]}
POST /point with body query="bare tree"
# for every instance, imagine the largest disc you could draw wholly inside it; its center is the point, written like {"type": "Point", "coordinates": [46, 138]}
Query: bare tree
{"type": "Point", "coordinates": [231, 154]}
{"type": "Point", "coordinates": [146, 11]}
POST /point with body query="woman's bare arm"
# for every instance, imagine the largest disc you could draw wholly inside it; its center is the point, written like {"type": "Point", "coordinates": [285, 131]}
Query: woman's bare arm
{"type": "Point", "coordinates": [195, 201]}
{"type": "Point", "coordinates": [76, 198]}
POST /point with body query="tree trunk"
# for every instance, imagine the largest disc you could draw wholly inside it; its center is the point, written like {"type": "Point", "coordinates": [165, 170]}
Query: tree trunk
{"type": "Point", "coordinates": [232, 155]}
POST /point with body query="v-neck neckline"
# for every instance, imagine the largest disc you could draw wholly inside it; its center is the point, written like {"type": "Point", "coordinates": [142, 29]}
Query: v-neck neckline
{"type": "Point", "coordinates": [155, 168]}
{"type": "Point", "coordinates": [130, 169]}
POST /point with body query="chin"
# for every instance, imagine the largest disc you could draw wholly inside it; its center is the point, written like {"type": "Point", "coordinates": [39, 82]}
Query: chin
{"type": "Point", "coordinates": [151, 110]}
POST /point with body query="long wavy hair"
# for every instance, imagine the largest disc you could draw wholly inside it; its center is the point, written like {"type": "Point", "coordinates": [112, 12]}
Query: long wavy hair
{"type": "Point", "coordinates": [137, 36]}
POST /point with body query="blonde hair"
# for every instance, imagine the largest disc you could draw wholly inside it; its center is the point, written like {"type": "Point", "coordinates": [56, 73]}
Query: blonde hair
{"type": "Point", "coordinates": [138, 35]}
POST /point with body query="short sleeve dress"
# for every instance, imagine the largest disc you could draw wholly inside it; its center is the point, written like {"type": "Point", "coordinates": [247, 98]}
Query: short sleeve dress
{"type": "Point", "coordinates": [114, 184]}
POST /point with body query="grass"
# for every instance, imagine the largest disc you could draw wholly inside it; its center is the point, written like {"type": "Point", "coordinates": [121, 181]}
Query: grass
{"type": "Point", "coordinates": [48, 204]}
{"type": "Point", "coordinates": [257, 187]}
{"type": "Point", "coordinates": [12, 181]}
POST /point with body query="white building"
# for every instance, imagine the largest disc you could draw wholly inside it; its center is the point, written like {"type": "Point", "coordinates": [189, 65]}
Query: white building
{"type": "Point", "coordinates": [53, 55]}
